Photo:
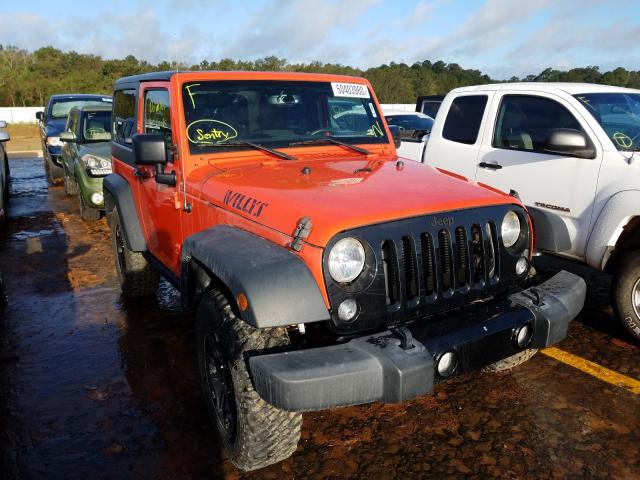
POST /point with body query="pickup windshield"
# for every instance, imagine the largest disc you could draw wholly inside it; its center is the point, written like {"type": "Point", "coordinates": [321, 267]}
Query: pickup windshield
{"type": "Point", "coordinates": [619, 116]}
{"type": "Point", "coordinates": [60, 108]}
{"type": "Point", "coordinates": [276, 114]}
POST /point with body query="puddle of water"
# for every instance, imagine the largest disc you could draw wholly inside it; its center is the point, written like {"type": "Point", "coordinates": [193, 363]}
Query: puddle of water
{"type": "Point", "coordinates": [28, 178]}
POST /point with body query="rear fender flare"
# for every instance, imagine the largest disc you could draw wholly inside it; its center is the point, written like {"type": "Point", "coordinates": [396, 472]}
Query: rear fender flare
{"type": "Point", "coordinates": [117, 194]}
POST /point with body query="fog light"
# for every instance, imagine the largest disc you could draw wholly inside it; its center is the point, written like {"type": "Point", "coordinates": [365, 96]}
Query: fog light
{"type": "Point", "coordinates": [522, 265]}
{"type": "Point", "coordinates": [447, 364]}
{"type": "Point", "coordinates": [347, 310]}
{"type": "Point", "coordinates": [96, 198]}
{"type": "Point", "coordinates": [524, 335]}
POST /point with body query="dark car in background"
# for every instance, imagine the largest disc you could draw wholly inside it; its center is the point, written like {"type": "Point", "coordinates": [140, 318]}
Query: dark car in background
{"type": "Point", "coordinates": [53, 121]}
{"type": "Point", "coordinates": [86, 156]}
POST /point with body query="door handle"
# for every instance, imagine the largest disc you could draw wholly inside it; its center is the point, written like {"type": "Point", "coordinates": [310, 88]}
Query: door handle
{"type": "Point", "coordinates": [490, 166]}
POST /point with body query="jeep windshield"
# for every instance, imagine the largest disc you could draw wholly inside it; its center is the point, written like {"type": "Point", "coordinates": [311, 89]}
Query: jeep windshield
{"type": "Point", "coordinates": [277, 114]}
{"type": "Point", "coordinates": [619, 116]}
{"type": "Point", "coordinates": [60, 108]}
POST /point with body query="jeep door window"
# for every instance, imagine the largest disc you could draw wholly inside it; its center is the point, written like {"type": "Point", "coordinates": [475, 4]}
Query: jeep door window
{"type": "Point", "coordinates": [60, 108]}
{"type": "Point", "coordinates": [124, 116]}
{"type": "Point", "coordinates": [95, 127]}
{"type": "Point", "coordinates": [276, 114]}
{"type": "Point", "coordinates": [157, 115]}
{"type": "Point", "coordinates": [525, 122]}
{"type": "Point", "coordinates": [619, 116]}
{"type": "Point", "coordinates": [464, 118]}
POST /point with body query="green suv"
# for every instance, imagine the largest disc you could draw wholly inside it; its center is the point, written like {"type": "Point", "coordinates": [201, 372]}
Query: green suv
{"type": "Point", "coordinates": [86, 156]}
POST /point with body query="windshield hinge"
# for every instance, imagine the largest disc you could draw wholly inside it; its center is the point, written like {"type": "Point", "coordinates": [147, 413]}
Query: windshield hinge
{"type": "Point", "coordinates": [303, 229]}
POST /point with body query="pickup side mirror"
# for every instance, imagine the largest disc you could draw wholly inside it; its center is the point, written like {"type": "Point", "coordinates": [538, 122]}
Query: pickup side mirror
{"type": "Point", "coordinates": [68, 137]}
{"type": "Point", "coordinates": [151, 149]}
{"type": "Point", "coordinates": [39, 116]}
{"type": "Point", "coordinates": [4, 137]}
{"type": "Point", "coordinates": [566, 141]}
{"type": "Point", "coordinates": [396, 135]}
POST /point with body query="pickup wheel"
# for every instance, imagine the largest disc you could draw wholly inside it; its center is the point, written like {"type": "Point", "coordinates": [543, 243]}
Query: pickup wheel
{"type": "Point", "coordinates": [136, 275]}
{"type": "Point", "coordinates": [253, 432]}
{"type": "Point", "coordinates": [88, 214]}
{"type": "Point", "coordinates": [54, 172]}
{"type": "Point", "coordinates": [626, 293]}
{"type": "Point", "coordinates": [512, 361]}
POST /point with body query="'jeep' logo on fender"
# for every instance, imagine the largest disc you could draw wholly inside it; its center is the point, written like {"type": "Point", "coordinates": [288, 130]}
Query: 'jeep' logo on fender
{"type": "Point", "coordinates": [240, 201]}
{"type": "Point", "coordinates": [442, 221]}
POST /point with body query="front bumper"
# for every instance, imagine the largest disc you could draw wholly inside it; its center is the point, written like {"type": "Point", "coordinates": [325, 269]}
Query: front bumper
{"type": "Point", "coordinates": [376, 367]}
{"type": "Point", "coordinates": [89, 185]}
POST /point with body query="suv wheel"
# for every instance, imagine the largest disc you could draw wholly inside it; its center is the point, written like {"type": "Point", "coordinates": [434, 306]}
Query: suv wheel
{"type": "Point", "coordinates": [136, 275]}
{"type": "Point", "coordinates": [512, 361]}
{"type": "Point", "coordinates": [626, 293]}
{"type": "Point", "coordinates": [70, 184]}
{"type": "Point", "coordinates": [54, 172]}
{"type": "Point", "coordinates": [87, 213]}
{"type": "Point", "coordinates": [254, 433]}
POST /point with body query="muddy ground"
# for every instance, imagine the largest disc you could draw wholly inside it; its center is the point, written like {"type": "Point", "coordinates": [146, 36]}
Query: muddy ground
{"type": "Point", "coordinates": [94, 387]}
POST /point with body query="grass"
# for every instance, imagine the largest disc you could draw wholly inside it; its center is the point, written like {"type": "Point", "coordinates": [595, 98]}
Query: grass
{"type": "Point", "coordinates": [24, 136]}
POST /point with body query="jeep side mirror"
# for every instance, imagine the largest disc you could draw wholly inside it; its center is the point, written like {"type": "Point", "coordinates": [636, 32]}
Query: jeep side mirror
{"type": "Point", "coordinates": [68, 137]}
{"type": "Point", "coordinates": [151, 149]}
{"type": "Point", "coordinates": [39, 116]}
{"type": "Point", "coordinates": [396, 135]}
{"type": "Point", "coordinates": [567, 141]}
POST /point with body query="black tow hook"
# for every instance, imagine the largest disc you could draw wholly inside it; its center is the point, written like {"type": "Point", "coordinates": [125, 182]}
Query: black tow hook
{"type": "Point", "coordinates": [405, 336]}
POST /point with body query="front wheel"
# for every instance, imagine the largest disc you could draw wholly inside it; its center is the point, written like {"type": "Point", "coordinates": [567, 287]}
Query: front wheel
{"type": "Point", "coordinates": [88, 214]}
{"type": "Point", "coordinates": [626, 293]}
{"type": "Point", "coordinates": [254, 433]}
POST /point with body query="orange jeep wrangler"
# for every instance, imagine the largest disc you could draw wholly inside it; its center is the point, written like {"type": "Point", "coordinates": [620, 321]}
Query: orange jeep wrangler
{"type": "Point", "coordinates": [325, 271]}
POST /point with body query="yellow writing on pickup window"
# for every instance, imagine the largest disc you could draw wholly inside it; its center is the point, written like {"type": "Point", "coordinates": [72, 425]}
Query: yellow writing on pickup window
{"type": "Point", "coordinates": [210, 131]}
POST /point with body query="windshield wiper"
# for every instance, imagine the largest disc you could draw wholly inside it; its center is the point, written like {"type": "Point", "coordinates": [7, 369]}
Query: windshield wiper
{"type": "Point", "coordinates": [331, 140]}
{"type": "Point", "coordinates": [257, 146]}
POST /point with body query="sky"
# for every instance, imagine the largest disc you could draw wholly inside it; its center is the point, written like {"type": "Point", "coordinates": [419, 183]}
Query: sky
{"type": "Point", "coordinates": [499, 37]}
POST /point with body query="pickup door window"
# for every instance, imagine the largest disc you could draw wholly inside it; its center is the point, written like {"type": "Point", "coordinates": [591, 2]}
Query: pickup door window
{"type": "Point", "coordinates": [464, 118]}
{"type": "Point", "coordinates": [558, 188]}
{"type": "Point", "coordinates": [525, 122]}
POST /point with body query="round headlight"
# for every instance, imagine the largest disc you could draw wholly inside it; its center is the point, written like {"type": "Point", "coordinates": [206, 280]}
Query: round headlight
{"type": "Point", "coordinates": [510, 229]}
{"type": "Point", "coordinates": [346, 260]}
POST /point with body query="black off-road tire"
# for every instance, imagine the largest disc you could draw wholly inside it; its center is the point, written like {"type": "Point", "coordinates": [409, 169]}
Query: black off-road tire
{"type": "Point", "coordinates": [512, 361]}
{"type": "Point", "coordinates": [254, 433]}
{"type": "Point", "coordinates": [137, 277]}
{"type": "Point", "coordinates": [7, 176]}
{"type": "Point", "coordinates": [88, 214]}
{"type": "Point", "coordinates": [626, 285]}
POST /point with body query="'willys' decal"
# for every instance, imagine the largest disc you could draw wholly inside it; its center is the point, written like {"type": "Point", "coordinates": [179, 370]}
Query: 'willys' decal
{"type": "Point", "coordinates": [244, 203]}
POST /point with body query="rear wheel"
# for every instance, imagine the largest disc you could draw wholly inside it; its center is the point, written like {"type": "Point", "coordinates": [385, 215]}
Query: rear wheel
{"type": "Point", "coordinates": [254, 433]}
{"type": "Point", "coordinates": [512, 361]}
{"type": "Point", "coordinates": [626, 293]}
{"type": "Point", "coordinates": [136, 275]}
{"type": "Point", "coordinates": [87, 213]}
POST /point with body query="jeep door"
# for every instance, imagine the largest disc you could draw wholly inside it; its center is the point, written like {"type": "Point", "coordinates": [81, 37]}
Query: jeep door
{"type": "Point", "coordinates": [558, 188]}
{"type": "Point", "coordinates": [160, 211]}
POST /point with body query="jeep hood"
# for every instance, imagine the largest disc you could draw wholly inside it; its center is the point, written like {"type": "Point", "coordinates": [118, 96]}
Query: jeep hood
{"type": "Point", "coordinates": [340, 194]}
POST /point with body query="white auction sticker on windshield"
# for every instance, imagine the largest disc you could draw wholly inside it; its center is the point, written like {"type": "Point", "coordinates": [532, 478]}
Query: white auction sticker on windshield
{"type": "Point", "coordinates": [354, 90]}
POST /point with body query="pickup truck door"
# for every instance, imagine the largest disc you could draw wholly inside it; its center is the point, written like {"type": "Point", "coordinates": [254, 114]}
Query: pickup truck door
{"type": "Point", "coordinates": [160, 210]}
{"type": "Point", "coordinates": [558, 189]}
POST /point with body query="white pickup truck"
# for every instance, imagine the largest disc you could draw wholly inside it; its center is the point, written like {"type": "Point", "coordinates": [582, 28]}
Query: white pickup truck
{"type": "Point", "coordinates": [570, 152]}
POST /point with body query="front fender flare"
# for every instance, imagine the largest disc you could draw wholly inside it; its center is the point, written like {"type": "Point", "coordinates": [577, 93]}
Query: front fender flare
{"type": "Point", "coordinates": [606, 230]}
{"type": "Point", "coordinates": [278, 285]}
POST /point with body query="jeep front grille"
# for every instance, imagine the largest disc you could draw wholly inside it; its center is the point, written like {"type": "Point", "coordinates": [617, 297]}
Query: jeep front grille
{"type": "Point", "coordinates": [459, 261]}
{"type": "Point", "coordinates": [422, 266]}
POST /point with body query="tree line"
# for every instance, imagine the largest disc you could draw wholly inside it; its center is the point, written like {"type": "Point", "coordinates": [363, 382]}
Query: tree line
{"type": "Point", "coordinates": [29, 78]}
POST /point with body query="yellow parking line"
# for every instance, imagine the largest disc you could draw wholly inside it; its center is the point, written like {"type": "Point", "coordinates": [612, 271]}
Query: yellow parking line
{"type": "Point", "coordinates": [602, 373]}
